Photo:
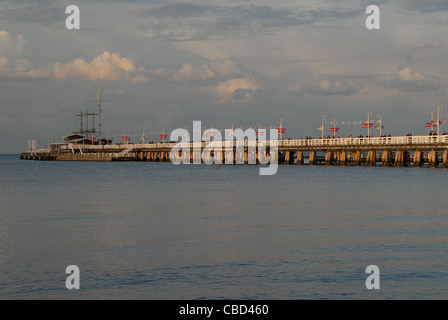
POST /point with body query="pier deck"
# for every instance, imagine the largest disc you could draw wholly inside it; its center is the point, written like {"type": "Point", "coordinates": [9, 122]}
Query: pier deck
{"type": "Point", "coordinates": [388, 151]}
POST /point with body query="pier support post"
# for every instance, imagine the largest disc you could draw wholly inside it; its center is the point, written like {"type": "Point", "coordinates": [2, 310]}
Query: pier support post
{"type": "Point", "coordinates": [230, 157]}
{"type": "Point", "coordinates": [387, 158]}
{"type": "Point", "coordinates": [433, 160]}
{"type": "Point", "coordinates": [399, 158]}
{"type": "Point", "coordinates": [313, 158]}
{"type": "Point", "coordinates": [197, 157]}
{"type": "Point", "coordinates": [252, 157]}
{"type": "Point", "coordinates": [417, 158]}
{"type": "Point", "coordinates": [287, 156]}
{"type": "Point", "coordinates": [342, 157]}
{"type": "Point", "coordinates": [185, 156]}
{"type": "Point", "coordinates": [218, 156]}
{"type": "Point", "coordinates": [357, 158]}
{"type": "Point", "coordinates": [329, 157]}
{"type": "Point", "coordinates": [300, 157]}
{"type": "Point", "coordinates": [445, 158]}
{"type": "Point", "coordinates": [371, 158]}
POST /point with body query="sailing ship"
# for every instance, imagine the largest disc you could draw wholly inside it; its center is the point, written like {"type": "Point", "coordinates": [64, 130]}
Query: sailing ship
{"type": "Point", "coordinates": [86, 135]}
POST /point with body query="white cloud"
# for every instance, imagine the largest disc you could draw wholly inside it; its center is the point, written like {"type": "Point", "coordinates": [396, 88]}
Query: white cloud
{"type": "Point", "coordinates": [238, 90]}
{"type": "Point", "coordinates": [11, 44]}
{"type": "Point", "coordinates": [4, 64]}
{"type": "Point", "coordinates": [225, 69]}
{"type": "Point", "coordinates": [188, 73]}
{"type": "Point", "coordinates": [21, 68]}
{"type": "Point", "coordinates": [108, 66]}
{"type": "Point", "coordinates": [409, 80]}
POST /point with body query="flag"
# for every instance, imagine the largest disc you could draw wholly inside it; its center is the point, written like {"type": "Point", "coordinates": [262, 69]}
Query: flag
{"type": "Point", "coordinates": [334, 129]}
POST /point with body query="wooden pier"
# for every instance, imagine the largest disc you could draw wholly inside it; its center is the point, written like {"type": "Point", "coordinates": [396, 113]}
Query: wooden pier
{"type": "Point", "coordinates": [430, 151]}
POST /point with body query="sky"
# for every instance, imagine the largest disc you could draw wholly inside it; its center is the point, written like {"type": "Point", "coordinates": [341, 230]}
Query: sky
{"type": "Point", "coordinates": [164, 64]}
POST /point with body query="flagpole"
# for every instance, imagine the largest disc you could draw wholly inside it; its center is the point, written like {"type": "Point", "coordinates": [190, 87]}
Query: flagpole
{"type": "Point", "coordinates": [334, 127]}
{"type": "Point", "coordinates": [379, 118]}
{"type": "Point", "coordinates": [369, 114]}
{"type": "Point", "coordinates": [439, 109]}
{"type": "Point", "coordinates": [324, 119]}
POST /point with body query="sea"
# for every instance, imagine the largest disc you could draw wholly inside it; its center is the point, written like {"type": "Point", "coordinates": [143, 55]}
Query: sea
{"type": "Point", "coordinates": [159, 231]}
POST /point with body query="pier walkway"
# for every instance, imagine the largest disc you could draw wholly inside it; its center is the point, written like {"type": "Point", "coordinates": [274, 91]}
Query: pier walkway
{"type": "Point", "coordinates": [387, 151]}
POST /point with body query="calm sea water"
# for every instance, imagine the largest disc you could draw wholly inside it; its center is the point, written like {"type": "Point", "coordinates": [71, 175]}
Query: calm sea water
{"type": "Point", "coordinates": [160, 231]}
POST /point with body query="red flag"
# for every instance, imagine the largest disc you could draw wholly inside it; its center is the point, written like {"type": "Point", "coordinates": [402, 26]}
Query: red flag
{"type": "Point", "coordinates": [367, 125]}
{"type": "Point", "coordinates": [280, 130]}
{"type": "Point", "coordinates": [334, 129]}
{"type": "Point", "coordinates": [163, 136]}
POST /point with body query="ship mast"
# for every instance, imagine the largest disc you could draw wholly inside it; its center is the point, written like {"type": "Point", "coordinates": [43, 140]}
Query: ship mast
{"type": "Point", "coordinates": [99, 111]}
{"type": "Point", "coordinates": [81, 131]}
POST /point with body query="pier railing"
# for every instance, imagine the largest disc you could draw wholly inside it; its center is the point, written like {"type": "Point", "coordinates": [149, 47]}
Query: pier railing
{"type": "Point", "coordinates": [375, 141]}
{"type": "Point", "coordinates": [408, 141]}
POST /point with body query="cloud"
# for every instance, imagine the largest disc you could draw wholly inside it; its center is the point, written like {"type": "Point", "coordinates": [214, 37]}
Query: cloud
{"type": "Point", "coordinates": [227, 81]}
{"type": "Point", "coordinates": [409, 80]}
{"type": "Point", "coordinates": [21, 68]}
{"type": "Point", "coordinates": [329, 86]}
{"type": "Point", "coordinates": [187, 22]}
{"type": "Point", "coordinates": [108, 66]}
{"type": "Point", "coordinates": [44, 13]}
{"type": "Point", "coordinates": [222, 69]}
{"type": "Point", "coordinates": [188, 73]}
{"type": "Point", "coordinates": [427, 6]}
{"type": "Point", "coordinates": [11, 44]}
{"type": "Point", "coordinates": [4, 64]}
{"type": "Point", "coordinates": [181, 10]}
{"type": "Point", "coordinates": [233, 91]}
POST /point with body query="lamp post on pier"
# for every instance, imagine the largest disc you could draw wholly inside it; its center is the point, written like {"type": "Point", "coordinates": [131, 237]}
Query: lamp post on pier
{"type": "Point", "coordinates": [369, 115]}
{"type": "Point", "coordinates": [440, 111]}
{"type": "Point", "coordinates": [431, 116]}
{"type": "Point", "coordinates": [379, 120]}
{"type": "Point", "coordinates": [324, 120]}
{"type": "Point", "coordinates": [333, 121]}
